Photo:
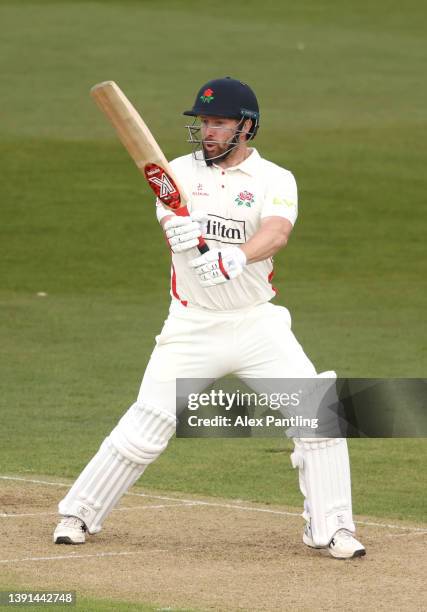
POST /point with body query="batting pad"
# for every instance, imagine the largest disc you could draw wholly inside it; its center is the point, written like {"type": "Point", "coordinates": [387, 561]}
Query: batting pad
{"type": "Point", "coordinates": [324, 478]}
{"type": "Point", "coordinates": [138, 439]}
{"type": "Point", "coordinates": [143, 433]}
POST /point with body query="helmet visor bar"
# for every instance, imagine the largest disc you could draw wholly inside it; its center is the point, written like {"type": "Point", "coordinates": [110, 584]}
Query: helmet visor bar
{"type": "Point", "coordinates": [197, 141]}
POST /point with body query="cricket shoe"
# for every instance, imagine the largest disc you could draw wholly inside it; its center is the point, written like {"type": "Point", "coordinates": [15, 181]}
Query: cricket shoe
{"type": "Point", "coordinates": [70, 530]}
{"type": "Point", "coordinates": [342, 546]}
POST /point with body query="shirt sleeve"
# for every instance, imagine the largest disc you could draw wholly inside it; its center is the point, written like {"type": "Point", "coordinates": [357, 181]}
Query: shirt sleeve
{"type": "Point", "coordinates": [282, 197]}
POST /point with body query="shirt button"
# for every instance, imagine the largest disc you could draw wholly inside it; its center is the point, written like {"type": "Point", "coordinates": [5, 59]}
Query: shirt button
{"type": "Point", "coordinates": [222, 186]}
{"type": "Point", "coordinates": [223, 172]}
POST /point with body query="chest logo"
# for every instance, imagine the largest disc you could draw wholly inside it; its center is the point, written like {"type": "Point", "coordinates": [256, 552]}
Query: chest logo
{"type": "Point", "coordinates": [231, 231]}
{"type": "Point", "coordinates": [200, 190]}
{"type": "Point", "coordinates": [245, 198]}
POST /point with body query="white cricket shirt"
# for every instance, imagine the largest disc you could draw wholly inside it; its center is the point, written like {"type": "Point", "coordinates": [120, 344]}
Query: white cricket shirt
{"type": "Point", "coordinates": [235, 199]}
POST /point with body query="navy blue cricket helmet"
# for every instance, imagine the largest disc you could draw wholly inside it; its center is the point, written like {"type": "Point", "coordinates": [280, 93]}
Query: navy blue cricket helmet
{"type": "Point", "coordinates": [228, 98]}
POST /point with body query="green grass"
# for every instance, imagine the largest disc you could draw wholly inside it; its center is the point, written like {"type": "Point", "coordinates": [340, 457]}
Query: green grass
{"type": "Point", "coordinates": [342, 94]}
{"type": "Point", "coordinates": [98, 605]}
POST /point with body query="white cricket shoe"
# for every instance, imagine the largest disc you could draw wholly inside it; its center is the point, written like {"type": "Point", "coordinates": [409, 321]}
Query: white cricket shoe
{"type": "Point", "coordinates": [342, 546]}
{"type": "Point", "coordinates": [70, 530]}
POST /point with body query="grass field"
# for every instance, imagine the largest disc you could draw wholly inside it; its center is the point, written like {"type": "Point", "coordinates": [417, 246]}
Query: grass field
{"type": "Point", "coordinates": [342, 93]}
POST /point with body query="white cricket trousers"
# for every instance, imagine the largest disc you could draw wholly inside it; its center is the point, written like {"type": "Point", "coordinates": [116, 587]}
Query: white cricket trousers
{"type": "Point", "coordinates": [254, 342]}
{"type": "Point", "coordinates": [251, 343]}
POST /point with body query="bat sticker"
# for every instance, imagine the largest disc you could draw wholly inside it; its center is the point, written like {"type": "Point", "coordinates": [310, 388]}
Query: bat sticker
{"type": "Point", "coordinates": [163, 185]}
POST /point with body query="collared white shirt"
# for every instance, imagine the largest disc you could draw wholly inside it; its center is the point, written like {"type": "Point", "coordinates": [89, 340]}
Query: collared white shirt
{"type": "Point", "coordinates": [236, 200]}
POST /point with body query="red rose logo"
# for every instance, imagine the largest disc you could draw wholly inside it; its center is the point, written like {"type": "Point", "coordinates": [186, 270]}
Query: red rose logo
{"type": "Point", "coordinates": [207, 95]}
{"type": "Point", "coordinates": [245, 198]}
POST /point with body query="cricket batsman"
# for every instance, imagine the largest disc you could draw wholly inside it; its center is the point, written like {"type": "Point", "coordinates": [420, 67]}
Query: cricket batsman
{"type": "Point", "coordinates": [221, 321]}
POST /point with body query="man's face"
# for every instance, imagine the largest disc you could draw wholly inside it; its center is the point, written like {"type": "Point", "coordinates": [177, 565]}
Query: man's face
{"type": "Point", "coordinates": [217, 134]}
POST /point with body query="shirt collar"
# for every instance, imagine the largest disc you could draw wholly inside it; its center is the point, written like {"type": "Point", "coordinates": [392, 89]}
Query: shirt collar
{"type": "Point", "coordinates": [248, 165]}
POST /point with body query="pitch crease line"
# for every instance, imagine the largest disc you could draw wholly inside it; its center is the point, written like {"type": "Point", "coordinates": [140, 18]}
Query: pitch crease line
{"type": "Point", "coordinates": [124, 508]}
{"type": "Point", "coordinates": [101, 554]}
{"type": "Point", "coordinates": [406, 535]}
{"type": "Point", "coordinates": [218, 505]}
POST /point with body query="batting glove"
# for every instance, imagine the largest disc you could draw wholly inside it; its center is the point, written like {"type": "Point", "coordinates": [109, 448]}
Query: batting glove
{"type": "Point", "coordinates": [183, 232]}
{"type": "Point", "coordinates": [216, 267]}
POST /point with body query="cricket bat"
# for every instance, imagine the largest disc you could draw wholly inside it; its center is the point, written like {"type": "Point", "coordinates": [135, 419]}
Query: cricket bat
{"type": "Point", "coordinates": [143, 148]}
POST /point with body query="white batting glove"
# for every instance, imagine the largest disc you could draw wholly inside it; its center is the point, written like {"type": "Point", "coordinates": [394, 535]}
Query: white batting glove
{"type": "Point", "coordinates": [216, 267]}
{"type": "Point", "coordinates": [183, 233]}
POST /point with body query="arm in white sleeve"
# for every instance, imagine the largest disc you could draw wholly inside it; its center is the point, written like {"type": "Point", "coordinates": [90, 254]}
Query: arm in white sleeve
{"type": "Point", "coordinates": [281, 199]}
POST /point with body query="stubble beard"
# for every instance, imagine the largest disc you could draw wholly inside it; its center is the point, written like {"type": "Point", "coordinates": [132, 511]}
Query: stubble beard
{"type": "Point", "coordinates": [217, 153]}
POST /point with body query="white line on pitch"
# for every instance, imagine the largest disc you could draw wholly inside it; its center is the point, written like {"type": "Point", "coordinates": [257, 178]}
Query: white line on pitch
{"type": "Point", "coordinates": [26, 514]}
{"type": "Point", "coordinates": [390, 526]}
{"type": "Point", "coordinates": [218, 505]}
{"type": "Point", "coordinates": [179, 505]}
{"type": "Point", "coordinates": [44, 482]}
{"type": "Point", "coordinates": [74, 556]}
{"type": "Point", "coordinates": [406, 535]}
{"type": "Point", "coordinates": [124, 508]}
{"type": "Point", "coordinates": [282, 512]}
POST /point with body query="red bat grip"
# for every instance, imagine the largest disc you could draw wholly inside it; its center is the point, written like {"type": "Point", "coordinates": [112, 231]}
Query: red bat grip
{"type": "Point", "coordinates": [168, 193]}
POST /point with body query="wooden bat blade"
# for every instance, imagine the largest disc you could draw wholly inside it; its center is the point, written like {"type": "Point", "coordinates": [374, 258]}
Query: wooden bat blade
{"type": "Point", "coordinates": [140, 143]}
{"type": "Point", "coordinates": [129, 124]}
{"type": "Point", "coordinates": [142, 147]}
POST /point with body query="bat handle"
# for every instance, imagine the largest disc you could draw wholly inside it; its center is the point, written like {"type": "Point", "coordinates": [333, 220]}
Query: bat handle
{"type": "Point", "coordinates": [183, 212]}
{"type": "Point", "coordinates": [202, 246]}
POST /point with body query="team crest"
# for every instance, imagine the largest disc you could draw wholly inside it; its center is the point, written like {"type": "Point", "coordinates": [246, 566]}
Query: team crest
{"type": "Point", "coordinates": [245, 198]}
{"type": "Point", "coordinates": [207, 95]}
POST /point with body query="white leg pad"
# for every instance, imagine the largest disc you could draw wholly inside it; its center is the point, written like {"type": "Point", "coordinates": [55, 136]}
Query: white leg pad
{"type": "Point", "coordinates": [138, 439]}
{"type": "Point", "coordinates": [324, 478]}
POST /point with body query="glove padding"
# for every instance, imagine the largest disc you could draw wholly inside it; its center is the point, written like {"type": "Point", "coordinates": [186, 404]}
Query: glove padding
{"type": "Point", "coordinates": [216, 267]}
{"type": "Point", "coordinates": [183, 233]}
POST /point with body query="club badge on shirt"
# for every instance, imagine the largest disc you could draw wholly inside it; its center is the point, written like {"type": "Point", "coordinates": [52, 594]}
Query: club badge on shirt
{"type": "Point", "coordinates": [245, 198]}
